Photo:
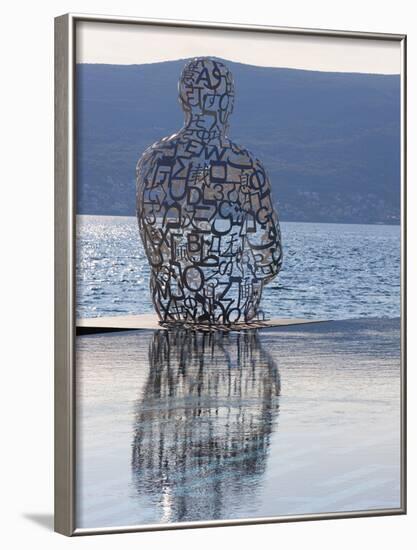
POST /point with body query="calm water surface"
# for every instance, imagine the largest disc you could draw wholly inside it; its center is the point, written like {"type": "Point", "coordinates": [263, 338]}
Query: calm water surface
{"type": "Point", "coordinates": [186, 426]}
{"type": "Point", "coordinates": [330, 271]}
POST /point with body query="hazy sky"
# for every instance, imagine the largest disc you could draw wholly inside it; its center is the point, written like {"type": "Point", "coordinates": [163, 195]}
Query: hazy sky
{"type": "Point", "coordinates": [127, 44]}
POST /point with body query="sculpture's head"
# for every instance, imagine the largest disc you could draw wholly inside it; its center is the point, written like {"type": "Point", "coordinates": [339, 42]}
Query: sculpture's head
{"type": "Point", "coordinates": [206, 93]}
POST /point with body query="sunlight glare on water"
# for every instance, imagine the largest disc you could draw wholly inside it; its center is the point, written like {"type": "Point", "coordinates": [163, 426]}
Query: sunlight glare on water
{"type": "Point", "coordinates": [330, 271]}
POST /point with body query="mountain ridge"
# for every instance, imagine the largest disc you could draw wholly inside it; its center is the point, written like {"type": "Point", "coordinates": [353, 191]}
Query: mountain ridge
{"type": "Point", "coordinates": [330, 142]}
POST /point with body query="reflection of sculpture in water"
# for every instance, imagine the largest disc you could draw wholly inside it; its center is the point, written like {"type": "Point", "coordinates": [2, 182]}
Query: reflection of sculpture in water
{"type": "Point", "coordinates": [204, 422]}
{"type": "Point", "coordinates": [205, 211]}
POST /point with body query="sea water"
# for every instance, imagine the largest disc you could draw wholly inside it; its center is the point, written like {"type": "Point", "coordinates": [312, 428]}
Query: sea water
{"type": "Point", "coordinates": [330, 271]}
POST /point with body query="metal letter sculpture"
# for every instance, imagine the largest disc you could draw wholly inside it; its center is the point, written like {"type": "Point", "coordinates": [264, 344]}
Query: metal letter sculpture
{"type": "Point", "coordinates": [205, 211]}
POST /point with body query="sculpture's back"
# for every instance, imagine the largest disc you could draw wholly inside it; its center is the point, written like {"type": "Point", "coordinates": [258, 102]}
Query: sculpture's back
{"type": "Point", "coordinates": [205, 211]}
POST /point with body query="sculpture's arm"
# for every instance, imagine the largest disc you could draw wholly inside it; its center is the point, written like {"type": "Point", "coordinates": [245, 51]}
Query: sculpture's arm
{"type": "Point", "coordinates": [144, 170]}
{"type": "Point", "coordinates": [262, 231]}
{"type": "Point", "coordinates": [150, 209]}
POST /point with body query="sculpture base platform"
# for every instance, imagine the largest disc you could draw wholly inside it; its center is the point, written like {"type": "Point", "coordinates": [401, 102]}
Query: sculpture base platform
{"type": "Point", "coordinates": [149, 321]}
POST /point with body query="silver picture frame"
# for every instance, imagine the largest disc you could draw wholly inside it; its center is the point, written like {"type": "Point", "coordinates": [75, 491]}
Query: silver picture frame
{"type": "Point", "coordinates": [65, 330]}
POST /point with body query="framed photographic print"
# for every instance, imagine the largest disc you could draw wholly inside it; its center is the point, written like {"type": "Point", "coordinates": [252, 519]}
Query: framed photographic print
{"type": "Point", "coordinates": [230, 274]}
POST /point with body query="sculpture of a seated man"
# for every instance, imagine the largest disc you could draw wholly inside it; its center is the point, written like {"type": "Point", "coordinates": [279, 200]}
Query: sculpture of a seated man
{"type": "Point", "coordinates": [205, 211]}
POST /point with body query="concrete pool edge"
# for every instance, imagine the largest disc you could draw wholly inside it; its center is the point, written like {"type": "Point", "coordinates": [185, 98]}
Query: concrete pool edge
{"type": "Point", "coordinates": [149, 321]}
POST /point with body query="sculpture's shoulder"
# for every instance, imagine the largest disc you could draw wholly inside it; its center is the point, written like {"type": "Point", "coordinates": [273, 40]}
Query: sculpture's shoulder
{"type": "Point", "coordinates": [161, 148]}
{"type": "Point", "coordinates": [241, 156]}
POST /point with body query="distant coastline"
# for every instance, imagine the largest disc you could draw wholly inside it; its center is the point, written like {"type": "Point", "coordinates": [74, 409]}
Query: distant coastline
{"type": "Point", "coordinates": [397, 224]}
